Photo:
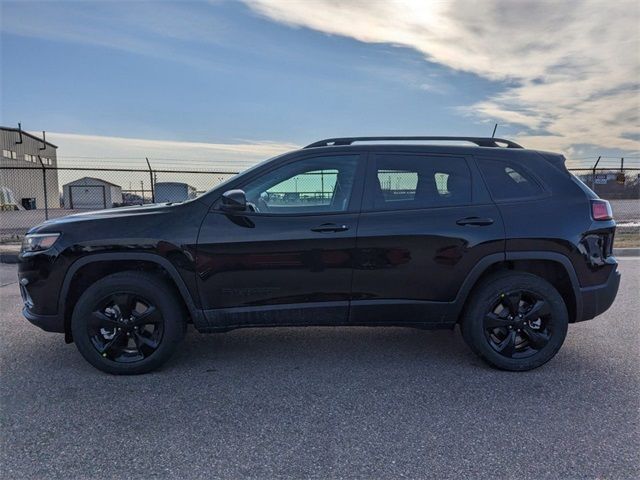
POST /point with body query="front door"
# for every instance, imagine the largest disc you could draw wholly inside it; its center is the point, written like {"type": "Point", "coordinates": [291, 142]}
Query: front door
{"type": "Point", "coordinates": [288, 259]}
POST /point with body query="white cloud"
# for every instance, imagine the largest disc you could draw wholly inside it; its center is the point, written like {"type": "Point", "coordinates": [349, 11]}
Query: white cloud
{"type": "Point", "coordinates": [118, 152]}
{"type": "Point", "coordinates": [571, 69]}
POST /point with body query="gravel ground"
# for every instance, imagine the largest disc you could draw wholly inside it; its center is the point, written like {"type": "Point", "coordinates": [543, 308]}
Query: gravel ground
{"type": "Point", "coordinates": [325, 403]}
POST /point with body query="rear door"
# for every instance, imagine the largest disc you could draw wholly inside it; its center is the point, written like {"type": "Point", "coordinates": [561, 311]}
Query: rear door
{"type": "Point", "coordinates": [290, 259]}
{"type": "Point", "coordinates": [426, 221]}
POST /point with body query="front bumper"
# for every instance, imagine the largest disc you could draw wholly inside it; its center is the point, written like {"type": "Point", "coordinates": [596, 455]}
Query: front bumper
{"type": "Point", "coordinates": [597, 299]}
{"type": "Point", "coordinates": [49, 323]}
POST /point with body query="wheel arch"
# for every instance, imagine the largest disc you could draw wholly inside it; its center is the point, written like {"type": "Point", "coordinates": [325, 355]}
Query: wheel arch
{"type": "Point", "coordinates": [553, 267]}
{"type": "Point", "coordinates": [115, 262]}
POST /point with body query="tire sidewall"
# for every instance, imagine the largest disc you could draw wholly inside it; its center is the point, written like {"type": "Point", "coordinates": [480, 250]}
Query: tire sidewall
{"type": "Point", "coordinates": [473, 329]}
{"type": "Point", "coordinates": [149, 288]}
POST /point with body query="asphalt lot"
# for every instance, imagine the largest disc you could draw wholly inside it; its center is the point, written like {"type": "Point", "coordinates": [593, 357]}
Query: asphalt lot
{"type": "Point", "coordinates": [325, 403]}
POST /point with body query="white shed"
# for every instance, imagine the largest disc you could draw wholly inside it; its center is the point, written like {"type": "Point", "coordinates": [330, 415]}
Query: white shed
{"type": "Point", "coordinates": [173, 192]}
{"type": "Point", "coordinates": [91, 193]}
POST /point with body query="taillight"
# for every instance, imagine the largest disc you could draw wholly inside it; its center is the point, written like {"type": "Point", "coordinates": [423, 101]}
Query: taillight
{"type": "Point", "coordinates": [601, 210]}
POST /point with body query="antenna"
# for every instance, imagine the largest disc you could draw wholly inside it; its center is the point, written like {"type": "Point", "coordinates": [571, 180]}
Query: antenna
{"type": "Point", "coordinates": [19, 132]}
{"type": "Point", "coordinates": [494, 130]}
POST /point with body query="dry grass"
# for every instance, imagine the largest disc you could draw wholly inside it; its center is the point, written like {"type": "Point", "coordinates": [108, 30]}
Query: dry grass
{"type": "Point", "coordinates": [627, 237]}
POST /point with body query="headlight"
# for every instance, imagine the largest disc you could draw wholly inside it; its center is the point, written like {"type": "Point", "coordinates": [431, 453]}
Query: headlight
{"type": "Point", "coordinates": [37, 242]}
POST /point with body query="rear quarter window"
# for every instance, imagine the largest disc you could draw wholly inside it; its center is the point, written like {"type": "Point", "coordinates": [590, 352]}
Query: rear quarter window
{"type": "Point", "coordinates": [508, 181]}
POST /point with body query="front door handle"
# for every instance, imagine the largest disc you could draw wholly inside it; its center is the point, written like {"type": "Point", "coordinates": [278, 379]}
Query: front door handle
{"type": "Point", "coordinates": [330, 228]}
{"type": "Point", "coordinates": [477, 221]}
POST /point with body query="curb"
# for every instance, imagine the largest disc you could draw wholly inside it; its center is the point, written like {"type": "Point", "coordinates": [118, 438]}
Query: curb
{"type": "Point", "coordinates": [9, 257]}
{"type": "Point", "coordinates": [627, 252]}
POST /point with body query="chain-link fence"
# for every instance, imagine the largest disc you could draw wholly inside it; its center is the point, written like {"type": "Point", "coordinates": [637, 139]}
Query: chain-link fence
{"type": "Point", "coordinates": [620, 187]}
{"type": "Point", "coordinates": [31, 194]}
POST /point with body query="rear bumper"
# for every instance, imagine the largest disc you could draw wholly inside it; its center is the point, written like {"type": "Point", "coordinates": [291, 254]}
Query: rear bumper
{"type": "Point", "coordinates": [596, 300]}
{"type": "Point", "coordinates": [48, 323]}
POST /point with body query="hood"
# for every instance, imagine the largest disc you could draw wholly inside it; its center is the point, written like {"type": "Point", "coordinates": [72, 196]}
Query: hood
{"type": "Point", "coordinates": [109, 213]}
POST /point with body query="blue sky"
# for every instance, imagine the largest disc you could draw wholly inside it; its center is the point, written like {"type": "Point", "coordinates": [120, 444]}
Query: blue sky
{"type": "Point", "coordinates": [255, 78]}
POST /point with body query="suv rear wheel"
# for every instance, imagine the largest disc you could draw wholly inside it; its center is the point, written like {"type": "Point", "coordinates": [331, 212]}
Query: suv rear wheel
{"type": "Point", "coordinates": [128, 323]}
{"type": "Point", "coordinates": [515, 321]}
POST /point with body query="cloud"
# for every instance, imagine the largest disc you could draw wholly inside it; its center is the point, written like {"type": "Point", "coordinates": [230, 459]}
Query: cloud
{"type": "Point", "coordinates": [571, 70]}
{"type": "Point", "coordinates": [120, 152]}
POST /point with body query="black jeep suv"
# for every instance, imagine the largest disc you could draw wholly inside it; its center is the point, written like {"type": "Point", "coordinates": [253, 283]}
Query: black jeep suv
{"type": "Point", "coordinates": [501, 240]}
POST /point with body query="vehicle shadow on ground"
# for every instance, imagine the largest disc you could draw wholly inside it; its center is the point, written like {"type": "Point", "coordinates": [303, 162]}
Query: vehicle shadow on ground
{"type": "Point", "coordinates": [327, 345]}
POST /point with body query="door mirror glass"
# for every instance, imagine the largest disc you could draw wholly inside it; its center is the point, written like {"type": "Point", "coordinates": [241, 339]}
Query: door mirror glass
{"type": "Point", "coordinates": [234, 201]}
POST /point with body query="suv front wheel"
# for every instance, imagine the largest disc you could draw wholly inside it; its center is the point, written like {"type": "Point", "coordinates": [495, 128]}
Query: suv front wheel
{"type": "Point", "coordinates": [128, 323]}
{"type": "Point", "coordinates": [515, 321]}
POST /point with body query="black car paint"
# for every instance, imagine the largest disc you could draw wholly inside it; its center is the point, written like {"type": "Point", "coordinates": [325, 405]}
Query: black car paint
{"type": "Point", "coordinates": [408, 267]}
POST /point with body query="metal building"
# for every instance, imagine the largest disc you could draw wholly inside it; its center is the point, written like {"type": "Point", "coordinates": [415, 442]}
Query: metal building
{"type": "Point", "coordinates": [173, 192]}
{"type": "Point", "coordinates": [91, 193]}
{"type": "Point", "coordinates": [21, 169]}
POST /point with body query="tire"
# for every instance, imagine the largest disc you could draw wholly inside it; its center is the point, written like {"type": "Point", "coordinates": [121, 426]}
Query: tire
{"type": "Point", "coordinates": [515, 321]}
{"type": "Point", "coordinates": [128, 323]}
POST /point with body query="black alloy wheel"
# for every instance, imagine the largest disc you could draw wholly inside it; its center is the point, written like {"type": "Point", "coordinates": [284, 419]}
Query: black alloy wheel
{"type": "Point", "coordinates": [128, 323]}
{"type": "Point", "coordinates": [125, 328]}
{"type": "Point", "coordinates": [519, 324]}
{"type": "Point", "coordinates": [515, 321]}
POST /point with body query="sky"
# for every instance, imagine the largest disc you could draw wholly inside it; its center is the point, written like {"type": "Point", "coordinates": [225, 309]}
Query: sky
{"type": "Point", "coordinates": [223, 84]}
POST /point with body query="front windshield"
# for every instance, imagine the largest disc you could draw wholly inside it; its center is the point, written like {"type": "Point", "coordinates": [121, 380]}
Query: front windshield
{"type": "Point", "coordinates": [220, 187]}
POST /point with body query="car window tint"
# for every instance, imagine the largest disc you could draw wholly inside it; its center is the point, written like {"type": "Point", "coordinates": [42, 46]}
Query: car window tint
{"type": "Point", "coordinates": [417, 181]}
{"type": "Point", "coordinates": [508, 181]}
{"type": "Point", "coordinates": [312, 185]}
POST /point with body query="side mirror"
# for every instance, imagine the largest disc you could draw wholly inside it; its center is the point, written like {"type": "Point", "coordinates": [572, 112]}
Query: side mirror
{"type": "Point", "coordinates": [234, 201]}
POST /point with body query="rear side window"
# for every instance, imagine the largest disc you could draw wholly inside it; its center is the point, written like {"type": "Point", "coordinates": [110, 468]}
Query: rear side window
{"type": "Point", "coordinates": [507, 181]}
{"type": "Point", "coordinates": [402, 182]}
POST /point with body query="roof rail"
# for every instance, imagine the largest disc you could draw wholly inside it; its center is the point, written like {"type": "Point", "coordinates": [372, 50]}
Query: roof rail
{"type": "Point", "coordinates": [479, 141]}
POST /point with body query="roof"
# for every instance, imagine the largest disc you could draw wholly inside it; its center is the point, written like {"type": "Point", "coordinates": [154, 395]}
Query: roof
{"type": "Point", "coordinates": [73, 182]}
{"type": "Point", "coordinates": [182, 184]}
{"type": "Point", "coordinates": [478, 146]}
{"type": "Point", "coordinates": [491, 142]}
{"type": "Point", "coordinates": [30, 135]}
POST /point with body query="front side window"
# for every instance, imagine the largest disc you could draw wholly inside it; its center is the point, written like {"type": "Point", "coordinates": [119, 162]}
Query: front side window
{"type": "Point", "coordinates": [403, 182]}
{"type": "Point", "coordinates": [312, 185]}
{"type": "Point", "coordinates": [507, 181]}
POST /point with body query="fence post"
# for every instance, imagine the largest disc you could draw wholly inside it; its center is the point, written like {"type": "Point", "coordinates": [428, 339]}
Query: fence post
{"type": "Point", "coordinates": [153, 189]}
{"type": "Point", "coordinates": [593, 176]}
{"type": "Point", "coordinates": [44, 184]}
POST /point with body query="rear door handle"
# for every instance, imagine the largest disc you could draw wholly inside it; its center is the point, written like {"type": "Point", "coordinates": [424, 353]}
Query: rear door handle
{"type": "Point", "coordinates": [329, 228]}
{"type": "Point", "coordinates": [477, 221]}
